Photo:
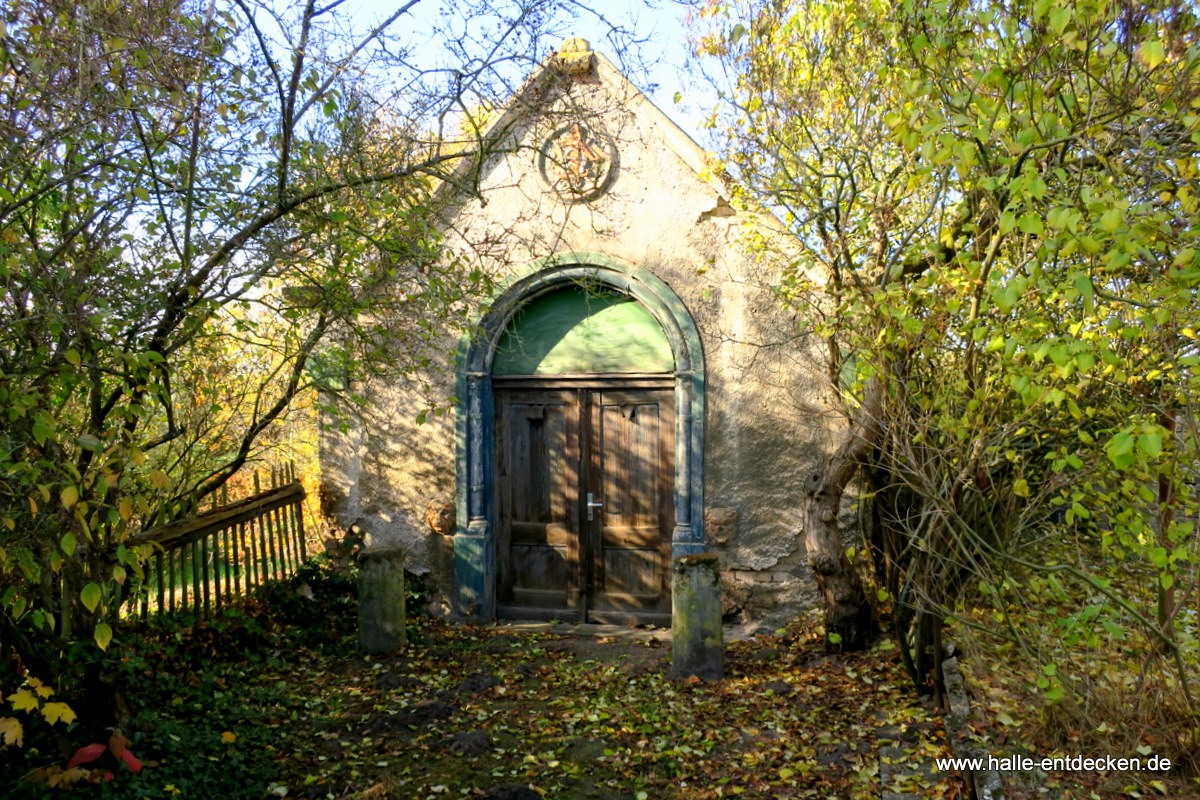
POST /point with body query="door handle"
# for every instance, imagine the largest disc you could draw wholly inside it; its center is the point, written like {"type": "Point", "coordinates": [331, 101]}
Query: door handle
{"type": "Point", "coordinates": [591, 505]}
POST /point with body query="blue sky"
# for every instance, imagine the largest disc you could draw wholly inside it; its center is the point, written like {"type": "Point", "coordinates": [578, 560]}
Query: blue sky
{"type": "Point", "coordinates": [657, 65]}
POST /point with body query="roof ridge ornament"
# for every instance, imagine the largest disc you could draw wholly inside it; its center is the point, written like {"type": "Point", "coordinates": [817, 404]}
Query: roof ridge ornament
{"type": "Point", "coordinates": [574, 57]}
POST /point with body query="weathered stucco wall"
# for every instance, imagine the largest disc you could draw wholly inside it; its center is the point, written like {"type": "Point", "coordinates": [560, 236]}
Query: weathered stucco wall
{"type": "Point", "coordinates": [768, 421]}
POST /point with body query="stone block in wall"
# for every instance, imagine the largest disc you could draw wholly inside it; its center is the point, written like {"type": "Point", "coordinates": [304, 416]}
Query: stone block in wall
{"type": "Point", "coordinates": [440, 517]}
{"type": "Point", "coordinates": [734, 595]}
{"type": "Point", "coordinates": [720, 525]}
{"type": "Point", "coordinates": [763, 576]}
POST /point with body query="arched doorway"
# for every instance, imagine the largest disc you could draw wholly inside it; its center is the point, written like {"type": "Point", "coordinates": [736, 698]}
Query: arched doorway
{"type": "Point", "coordinates": [580, 442]}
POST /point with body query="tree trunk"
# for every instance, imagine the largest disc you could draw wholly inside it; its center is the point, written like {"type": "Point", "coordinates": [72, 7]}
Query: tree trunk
{"type": "Point", "coordinates": [849, 616]}
{"type": "Point", "coordinates": [847, 610]}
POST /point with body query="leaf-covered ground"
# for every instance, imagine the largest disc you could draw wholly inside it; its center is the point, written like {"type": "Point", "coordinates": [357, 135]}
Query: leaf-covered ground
{"type": "Point", "coordinates": [239, 709]}
{"type": "Point", "coordinates": [273, 700]}
{"type": "Point", "coordinates": [472, 712]}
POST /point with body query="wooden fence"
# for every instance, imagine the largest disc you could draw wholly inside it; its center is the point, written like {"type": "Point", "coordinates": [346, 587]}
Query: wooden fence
{"type": "Point", "coordinates": [220, 554]}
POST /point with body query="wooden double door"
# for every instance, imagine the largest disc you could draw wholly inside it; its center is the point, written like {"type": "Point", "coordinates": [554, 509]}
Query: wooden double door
{"type": "Point", "coordinates": [585, 500]}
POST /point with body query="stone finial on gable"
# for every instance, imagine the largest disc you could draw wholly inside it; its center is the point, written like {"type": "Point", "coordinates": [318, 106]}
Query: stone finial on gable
{"type": "Point", "coordinates": [574, 57]}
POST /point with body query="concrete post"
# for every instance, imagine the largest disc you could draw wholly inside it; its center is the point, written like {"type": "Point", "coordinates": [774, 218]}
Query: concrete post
{"type": "Point", "coordinates": [381, 616]}
{"type": "Point", "coordinates": [698, 645]}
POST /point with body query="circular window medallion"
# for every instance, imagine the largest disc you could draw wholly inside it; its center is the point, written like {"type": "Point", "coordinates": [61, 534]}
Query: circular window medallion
{"type": "Point", "coordinates": [578, 162]}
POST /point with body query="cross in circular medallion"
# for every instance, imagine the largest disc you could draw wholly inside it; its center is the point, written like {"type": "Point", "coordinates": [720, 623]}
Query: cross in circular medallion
{"type": "Point", "coordinates": [578, 161]}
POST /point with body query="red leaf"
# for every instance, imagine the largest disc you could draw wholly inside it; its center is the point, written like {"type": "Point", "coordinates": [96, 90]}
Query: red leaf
{"type": "Point", "coordinates": [86, 754]}
{"type": "Point", "coordinates": [131, 760]}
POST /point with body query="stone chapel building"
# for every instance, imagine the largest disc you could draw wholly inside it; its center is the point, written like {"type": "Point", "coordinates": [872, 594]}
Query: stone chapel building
{"type": "Point", "coordinates": [633, 392]}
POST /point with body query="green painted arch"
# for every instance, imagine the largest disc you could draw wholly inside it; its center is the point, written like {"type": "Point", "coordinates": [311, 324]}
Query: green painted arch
{"type": "Point", "coordinates": [477, 349]}
{"type": "Point", "coordinates": [581, 329]}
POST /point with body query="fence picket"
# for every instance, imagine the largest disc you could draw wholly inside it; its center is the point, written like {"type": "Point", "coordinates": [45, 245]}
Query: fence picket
{"type": "Point", "coordinates": [193, 551]}
{"type": "Point", "coordinates": [290, 537]}
{"type": "Point", "coordinates": [205, 579]}
{"type": "Point", "coordinates": [272, 564]}
{"type": "Point", "coordinates": [255, 565]}
{"type": "Point", "coordinates": [158, 573]}
{"type": "Point", "coordinates": [223, 567]}
{"type": "Point", "coordinates": [184, 600]}
{"type": "Point", "coordinates": [170, 554]}
{"type": "Point", "coordinates": [298, 524]}
{"type": "Point", "coordinates": [239, 556]}
{"type": "Point", "coordinates": [281, 536]}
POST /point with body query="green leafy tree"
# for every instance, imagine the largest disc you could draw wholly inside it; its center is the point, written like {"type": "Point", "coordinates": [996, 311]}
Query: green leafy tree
{"type": "Point", "coordinates": [206, 210]}
{"type": "Point", "coordinates": [997, 216]}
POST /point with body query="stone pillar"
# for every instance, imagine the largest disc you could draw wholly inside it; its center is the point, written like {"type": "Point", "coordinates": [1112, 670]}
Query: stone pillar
{"type": "Point", "coordinates": [474, 550]}
{"type": "Point", "coordinates": [698, 644]}
{"type": "Point", "coordinates": [475, 574]}
{"type": "Point", "coordinates": [688, 537]}
{"type": "Point", "coordinates": [381, 616]}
